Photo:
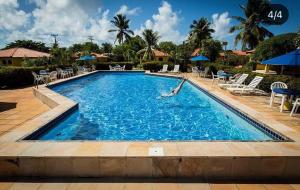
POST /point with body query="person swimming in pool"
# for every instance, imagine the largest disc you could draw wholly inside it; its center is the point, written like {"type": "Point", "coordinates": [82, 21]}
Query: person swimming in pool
{"type": "Point", "coordinates": [176, 90]}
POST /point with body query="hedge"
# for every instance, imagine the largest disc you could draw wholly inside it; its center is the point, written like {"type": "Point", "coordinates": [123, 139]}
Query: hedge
{"type": "Point", "coordinates": [155, 66]}
{"type": "Point", "coordinates": [265, 84]}
{"type": "Point", "coordinates": [105, 65]}
{"type": "Point", "coordinates": [12, 77]}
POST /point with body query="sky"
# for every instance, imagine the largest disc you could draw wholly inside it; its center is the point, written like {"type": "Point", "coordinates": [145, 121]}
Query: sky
{"type": "Point", "coordinates": [75, 20]}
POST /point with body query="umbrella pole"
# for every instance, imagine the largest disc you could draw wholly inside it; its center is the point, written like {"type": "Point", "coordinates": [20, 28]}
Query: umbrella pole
{"type": "Point", "coordinates": [282, 69]}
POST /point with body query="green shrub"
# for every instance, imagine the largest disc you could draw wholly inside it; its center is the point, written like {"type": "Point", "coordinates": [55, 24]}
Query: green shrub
{"type": "Point", "coordinates": [105, 65]}
{"type": "Point", "coordinates": [155, 66]}
{"type": "Point", "coordinates": [12, 77]}
{"type": "Point", "coordinates": [234, 60]}
{"type": "Point", "coordinates": [35, 62]}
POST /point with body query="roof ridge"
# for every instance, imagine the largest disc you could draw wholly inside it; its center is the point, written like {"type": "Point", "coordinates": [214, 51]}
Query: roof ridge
{"type": "Point", "coordinates": [15, 49]}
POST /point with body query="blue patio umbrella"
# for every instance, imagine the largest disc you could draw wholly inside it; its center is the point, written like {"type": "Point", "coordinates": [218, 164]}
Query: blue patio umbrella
{"type": "Point", "coordinates": [87, 58]}
{"type": "Point", "coordinates": [289, 59]}
{"type": "Point", "coordinates": [200, 58]}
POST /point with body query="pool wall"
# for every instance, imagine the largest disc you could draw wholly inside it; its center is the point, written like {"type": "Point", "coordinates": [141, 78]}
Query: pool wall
{"type": "Point", "coordinates": [270, 161]}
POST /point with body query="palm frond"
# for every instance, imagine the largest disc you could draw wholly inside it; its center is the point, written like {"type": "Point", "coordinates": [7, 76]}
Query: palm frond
{"type": "Point", "coordinates": [240, 19]}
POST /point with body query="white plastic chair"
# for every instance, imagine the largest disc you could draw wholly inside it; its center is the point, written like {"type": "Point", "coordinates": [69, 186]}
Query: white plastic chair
{"type": "Point", "coordinates": [295, 107]}
{"type": "Point", "coordinates": [195, 71]}
{"type": "Point", "coordinates": [123, 68]}
{"type": "Point", "coordinates": [70, 71]}
{"type": "Point", "coordinates": [111, 68]}
{"type": "Point", "coordinates": [93, 68]}
{"type": "Point", "coordinates": [205, 72]}
{"type": "Point", "coordinates": [53, 76]}
{"type": "Point", "coordinates": [61, 73]}
{"type": "Point", "coordinates": [216, 77]}
{"type": "Point", "coordinates": [164, 69]}
{"type": "Point", "coordinates": [273, 94]}
{"type": "Point", "coordinates": [176, 69]}
{"type": "Point", "coordinates": [38, 79]}
{"type": "Point", "coordinates": [250, 88]}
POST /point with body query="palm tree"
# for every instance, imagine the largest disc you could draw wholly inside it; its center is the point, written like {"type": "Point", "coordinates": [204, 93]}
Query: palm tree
{"type": "Point", "coordinates": [122, 28]}
{"type": "Point", "coordinates": [251, 31]}
{"type": "Point", "coordinates": [151, 39]}
{"type": "Point", "coordinates": [200, 30]}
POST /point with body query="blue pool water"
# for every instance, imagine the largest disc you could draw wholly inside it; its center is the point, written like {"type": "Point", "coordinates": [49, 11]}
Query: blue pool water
{"type": "Point", "coordinates": [127, 106]}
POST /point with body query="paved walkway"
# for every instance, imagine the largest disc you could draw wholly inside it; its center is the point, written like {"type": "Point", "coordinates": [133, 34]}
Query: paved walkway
{"type": "Point", "coordinates": [18, 106]}
{"type": "Point", "coordinates": [142, 186]}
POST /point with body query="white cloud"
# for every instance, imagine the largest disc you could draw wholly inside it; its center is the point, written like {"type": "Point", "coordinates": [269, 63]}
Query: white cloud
{"type": "Point", "coordinates": [11, 17]}
{"type": "Point", "coordinates": [221, 25]}
{"type": "Point", "coordinates": [124, 9]}
{"type": "Point", "coordinates": [38, 3]}
{"type": "Point", "coordinates": [165, 23]}
{"type": "Point", "coordinates": [66, 18]}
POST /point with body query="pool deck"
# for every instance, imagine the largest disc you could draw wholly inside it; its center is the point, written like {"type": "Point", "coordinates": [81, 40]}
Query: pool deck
{"type": "Point", "coordinates": [137, 185]}
{"type": "Point", "coordinates": [200, 160]}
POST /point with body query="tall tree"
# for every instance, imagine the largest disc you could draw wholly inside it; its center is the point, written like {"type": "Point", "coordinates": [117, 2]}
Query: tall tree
{"type": "Point", "coordinates": [151, 39]}
{"type": "Point", "coordinates": [122, 28]}
{"type": "Point", "coordinates": [38, 46]}
{"type": "Point", "coordinates": [251, 29]}
{"type": "Point", "coordinates": [106, 47]}
{"type": "Point", "coordinates": [200, 30]}
{"type": "Point", "coordinates": [88, 47]}
{"type": "Point", "coordinates": [168, 47]}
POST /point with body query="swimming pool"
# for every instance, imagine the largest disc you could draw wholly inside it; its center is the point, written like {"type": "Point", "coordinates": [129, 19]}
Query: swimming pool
{"type": "Point", "coordinates": [121, 106]}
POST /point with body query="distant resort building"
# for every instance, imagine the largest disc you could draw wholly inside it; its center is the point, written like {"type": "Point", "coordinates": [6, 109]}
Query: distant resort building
{"type": "Point", "coordinates": [197, 52]}
{"type": "Point", "coordinates": [158, 55]}
{"type": "Point", "coordinates": [100, 57]}
{"type": "Point", "coordinates": [15, 56]}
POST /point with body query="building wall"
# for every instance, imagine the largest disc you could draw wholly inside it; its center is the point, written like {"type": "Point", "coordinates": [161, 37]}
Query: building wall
{"type": "Point", "coordinates": [102, 59]}
{"type": "Point", "coordinates": [161, 58]}
{"type": "Point", "coordinates": [15, 61]}
{"type": "Point", "coordinates": [11, 61]}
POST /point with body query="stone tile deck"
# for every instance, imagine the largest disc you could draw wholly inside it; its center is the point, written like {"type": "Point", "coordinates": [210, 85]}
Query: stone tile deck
{"type": "Point", "coordinates": [139, 185]}
{"type": "Point", "coordinates": [17, 107]}
{"type": "Point", "coordinates": [202, 160]}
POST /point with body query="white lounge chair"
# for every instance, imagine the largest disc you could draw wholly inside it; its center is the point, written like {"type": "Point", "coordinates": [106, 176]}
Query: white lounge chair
{"type": "Point", "coordinates": [295, 107]}
{"type": "Point", "coordinates": [237, 83]}
{"type": "Point", "coordinates": [234, 78]}
{"type": "Point", "coordinates": [38, 79]}
{"type": "Point", "coordinates": [164, 69]}
{"type": "Point", "coordinates": [123, 68]}
{"type": "Point", "coordinates": [273, 94]}
{"type": "Point", "coordinates": [246, 89]}
{"type": "Point", "coordinates": [176, 69]}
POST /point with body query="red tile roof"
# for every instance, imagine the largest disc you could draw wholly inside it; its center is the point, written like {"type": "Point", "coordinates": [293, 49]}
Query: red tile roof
{"type": "Point", "coordinates": [196, 52]}
{"type": "Point", "coordinates": [242, 53]}
{"type": "Point", "coordinates": [22, 52]}
{"type": "Point", "coordinates": [99, 55]}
